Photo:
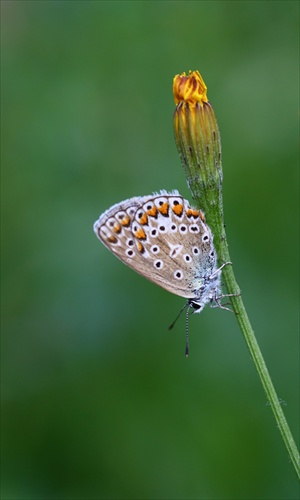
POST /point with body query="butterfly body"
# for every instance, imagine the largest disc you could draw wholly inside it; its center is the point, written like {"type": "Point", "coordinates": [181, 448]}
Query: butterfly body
{"type": "Point", "coordinates": [167, 241]}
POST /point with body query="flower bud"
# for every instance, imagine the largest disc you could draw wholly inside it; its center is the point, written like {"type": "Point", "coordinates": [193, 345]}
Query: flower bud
{"type": "Point", "coordinates": [198, 140]}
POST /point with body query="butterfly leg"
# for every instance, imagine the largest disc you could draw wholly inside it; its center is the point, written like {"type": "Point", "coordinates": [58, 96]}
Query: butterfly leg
{"type": "Point", "coordinates": [217, 300]}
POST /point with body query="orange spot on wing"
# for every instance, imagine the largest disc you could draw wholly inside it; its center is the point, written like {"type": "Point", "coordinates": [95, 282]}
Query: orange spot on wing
{"type": "Point", "coordinates": [177, 209]}
{"type": "Point", "coordinates": [144, 219]}
{"type": "Point", "coordinates": [140, 247]}
{"type": "Point", "coordinates": [152, 212]}
{"type": "Point", "coordinates": [164, 208]}
{"type": "Point", "coordinates": [117, 228]}
{"type": "Point", "coordinates": [140, 234]}
{"type": "Point", "coordinates": [125, 221]}
{"type": "Point", "coordinates": [112, 239]}
{"type": "Point", "coordinates": [201, 215]}
{"type": "Point", "coordinates": [192, 212]}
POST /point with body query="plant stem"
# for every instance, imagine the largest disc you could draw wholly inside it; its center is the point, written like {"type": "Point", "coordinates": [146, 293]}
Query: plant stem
{"type": "Point", "coordinates": [216, 222]}
{"type": "Point", "coordinates": [243, 320]}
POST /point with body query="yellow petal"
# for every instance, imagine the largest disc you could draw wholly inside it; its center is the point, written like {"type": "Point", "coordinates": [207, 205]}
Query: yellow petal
{"type": "Point", "coordinates": [191, 88]}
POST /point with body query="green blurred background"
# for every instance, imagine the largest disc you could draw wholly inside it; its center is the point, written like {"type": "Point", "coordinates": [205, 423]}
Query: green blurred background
{"type": "Point", "coordinates": [99, 401]}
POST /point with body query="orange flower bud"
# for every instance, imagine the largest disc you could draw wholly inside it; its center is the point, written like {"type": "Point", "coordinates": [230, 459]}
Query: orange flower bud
{"type": "Point", "coordinates": [198, 140]}
{"type": "Point", "coordinates": [191, 88]}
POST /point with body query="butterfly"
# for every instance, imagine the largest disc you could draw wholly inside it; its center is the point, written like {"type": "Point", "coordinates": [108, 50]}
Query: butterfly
{"type": "Point", "coordinates": [168, 242]}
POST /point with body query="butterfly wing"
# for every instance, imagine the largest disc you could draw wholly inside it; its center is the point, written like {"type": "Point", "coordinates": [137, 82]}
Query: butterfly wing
{"type": "Point", "coordinates": [162, 238]}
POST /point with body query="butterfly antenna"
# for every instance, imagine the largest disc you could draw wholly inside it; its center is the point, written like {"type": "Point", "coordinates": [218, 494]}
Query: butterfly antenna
{"type": "Point", "coordinates": [187, 331]}
{"type": "Point", "coordinates": [178, 315]}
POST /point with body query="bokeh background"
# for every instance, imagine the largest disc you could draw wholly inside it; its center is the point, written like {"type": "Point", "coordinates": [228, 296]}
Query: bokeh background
{"type": "Point", "coordinates": [98, 399]}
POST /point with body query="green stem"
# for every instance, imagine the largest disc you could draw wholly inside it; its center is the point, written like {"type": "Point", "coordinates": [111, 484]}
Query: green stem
{"type": "Point", "coordinates": [216, 223]}
{"type": "Point", "coordinates": [243, 320]}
